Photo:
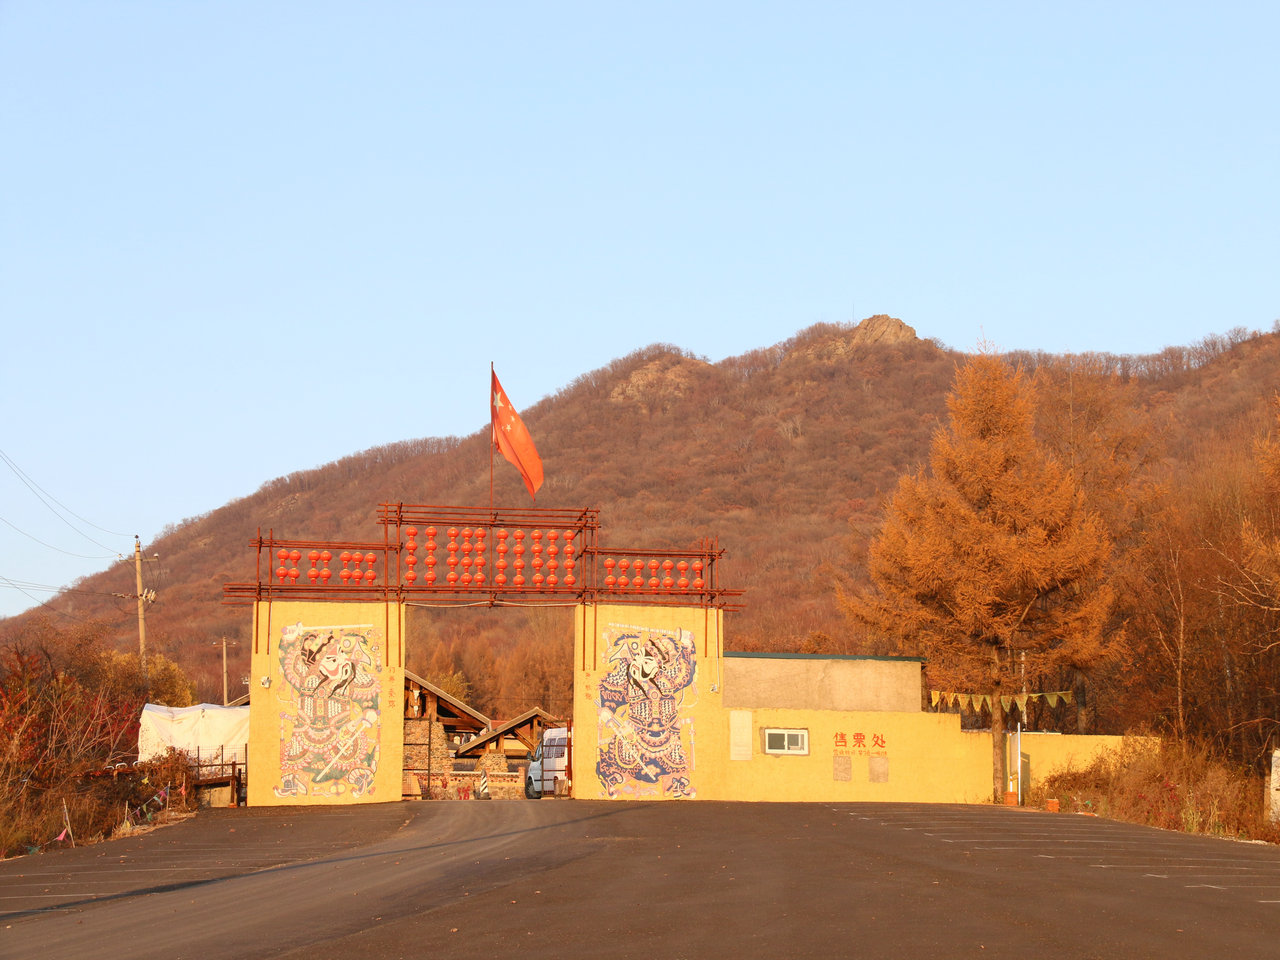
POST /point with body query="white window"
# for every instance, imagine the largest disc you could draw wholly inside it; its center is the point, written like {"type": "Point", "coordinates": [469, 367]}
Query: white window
{"type": "Point", "coordinates": [778, 740]}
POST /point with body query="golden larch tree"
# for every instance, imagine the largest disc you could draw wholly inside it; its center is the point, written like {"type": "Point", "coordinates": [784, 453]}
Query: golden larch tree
{"type": "Point", "coordinates": [989, 558]}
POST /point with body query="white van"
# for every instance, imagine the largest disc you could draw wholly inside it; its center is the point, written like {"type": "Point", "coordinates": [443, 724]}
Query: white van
{"type": "Point", "coordinates": [549, 764]}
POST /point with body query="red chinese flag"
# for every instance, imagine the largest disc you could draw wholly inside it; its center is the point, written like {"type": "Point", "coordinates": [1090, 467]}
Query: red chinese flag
{"type": "Point", "coordinates": [512, 438]}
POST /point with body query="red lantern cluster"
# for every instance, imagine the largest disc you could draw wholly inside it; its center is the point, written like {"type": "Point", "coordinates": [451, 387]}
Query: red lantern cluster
{"type": "Point", "coordinates": [541, 559]}
{"type": "Point", "coordinates": [484, 558]}
{"type": "Point", "coordinates": [288, 569]}
{"type": "Point", "coordinates": [357, 567]}
{"type": "Point", "coordinates": [624, 574]}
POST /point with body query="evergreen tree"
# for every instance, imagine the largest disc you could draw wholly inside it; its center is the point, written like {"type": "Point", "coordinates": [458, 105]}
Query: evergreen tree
{"type": "Point", "coordinates": [989, 559]}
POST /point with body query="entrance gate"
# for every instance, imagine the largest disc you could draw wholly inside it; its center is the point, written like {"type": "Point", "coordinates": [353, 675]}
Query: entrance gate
{"type": "Point", "coordinates": [328, 650]}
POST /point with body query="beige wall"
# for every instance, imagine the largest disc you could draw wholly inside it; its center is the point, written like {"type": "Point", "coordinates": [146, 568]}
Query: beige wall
{"type": "Point", "coordinates": [326, 713]}
{"type": "Point", "coordinates": [1050, 753]}
{"type": "Point", "coordinates": [857, 756]}
{"type": "Point", "coordinates": [801, 682]}
{"type": "Point", "coordinates": [660, 713]}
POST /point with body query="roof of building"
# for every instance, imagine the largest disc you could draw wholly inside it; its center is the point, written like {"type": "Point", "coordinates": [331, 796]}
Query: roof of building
{"type": "Point", "coordinates": [459, 709]}
{"type": "Point", "coordinates": [527, 728]}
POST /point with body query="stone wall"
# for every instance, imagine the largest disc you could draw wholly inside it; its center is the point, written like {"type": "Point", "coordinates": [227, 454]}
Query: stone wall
{"type": "Point", "coordinates": [493, 761]}
{"type": "Point", "coordinates": [426, 748]}
{"type": "Point", "coordinates": [465, 784]}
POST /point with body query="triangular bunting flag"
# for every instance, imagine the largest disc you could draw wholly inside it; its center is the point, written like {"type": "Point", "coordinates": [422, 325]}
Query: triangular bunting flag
{"type": "Point", "coordinates": [934, 697]}
{"type": "Point", "coordinates": [1052, 698]}
{"type": "Point", "coordinates": [1022, 703]}
{"type": "Point", "coordinates": [1067, 696]}
{"type": "Point", "coordinates": [1005, 702]}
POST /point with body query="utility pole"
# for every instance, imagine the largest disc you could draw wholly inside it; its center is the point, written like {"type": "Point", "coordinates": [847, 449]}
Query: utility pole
{"type": "Point", "coordinates": [142, 605]}
{"type": "Point", "coordinates": [143, 597]}
{"type": "Point", "coordinates": [225, 693]}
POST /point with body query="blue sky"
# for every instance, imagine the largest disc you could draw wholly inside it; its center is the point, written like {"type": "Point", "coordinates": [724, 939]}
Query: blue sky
{"type": "Point", "coordinates": [242, 239]}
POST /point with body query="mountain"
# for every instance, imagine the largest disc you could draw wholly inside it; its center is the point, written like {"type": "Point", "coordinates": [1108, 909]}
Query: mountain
{"type": "Point", "coordinates": [783, 454]}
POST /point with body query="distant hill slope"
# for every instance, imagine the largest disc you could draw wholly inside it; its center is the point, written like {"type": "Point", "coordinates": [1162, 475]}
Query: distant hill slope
{"type": "Point", "coordinates": [779, 453]}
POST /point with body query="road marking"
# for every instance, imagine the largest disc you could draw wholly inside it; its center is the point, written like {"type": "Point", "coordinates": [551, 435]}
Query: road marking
{"type": "Point", "coordinates": [1244, 886]}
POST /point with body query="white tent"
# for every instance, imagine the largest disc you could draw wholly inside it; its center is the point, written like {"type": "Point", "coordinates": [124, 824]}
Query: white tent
{"type": "Point", "coordinates": [207, 731]}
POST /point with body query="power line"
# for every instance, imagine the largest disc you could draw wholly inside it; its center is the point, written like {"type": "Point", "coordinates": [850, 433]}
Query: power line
{"type": "Point", "coordinates": [46, 587]}
{"type": "Point", "coordinates": [80, 556]}
{"type": "Point", "coordinates": [18, 585]}
{"type": "Point", "coordinates": [42, 494]}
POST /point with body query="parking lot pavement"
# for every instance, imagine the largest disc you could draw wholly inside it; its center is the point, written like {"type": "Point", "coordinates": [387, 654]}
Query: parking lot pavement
{"type": "Point", "coordinates": [565, 878]}
{"type": "Point", "coordinates": [1249, 871]}
{"type": "Point", "coordinates": [216, 844]}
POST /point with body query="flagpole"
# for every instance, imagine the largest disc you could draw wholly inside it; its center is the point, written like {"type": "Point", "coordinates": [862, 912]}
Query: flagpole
{"type": "Point", "coordinates": [491, 443]}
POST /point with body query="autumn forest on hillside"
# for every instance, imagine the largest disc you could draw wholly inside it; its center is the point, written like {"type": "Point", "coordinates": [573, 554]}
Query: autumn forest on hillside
{"type": "Point", "coordinates": [793, 457]}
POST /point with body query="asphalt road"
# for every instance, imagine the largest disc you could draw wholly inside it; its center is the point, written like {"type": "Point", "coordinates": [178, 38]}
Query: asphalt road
{"type": "Point", "coordinates": [563, 878]}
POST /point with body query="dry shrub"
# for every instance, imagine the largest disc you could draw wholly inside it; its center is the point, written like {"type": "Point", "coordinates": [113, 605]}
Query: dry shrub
{"type": "Point", "coordinates": [1166, 784]}
{"type": "Point", "coordinates": [97, 805]}
{"type": "Point", "coordinates": [174, 774]}
{"type": "Point", "coordinates": [69, 708]}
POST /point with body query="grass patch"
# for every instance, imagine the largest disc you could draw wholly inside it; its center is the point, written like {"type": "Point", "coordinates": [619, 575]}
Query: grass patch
{"type": "Point", "coordinates": [1169, 785]}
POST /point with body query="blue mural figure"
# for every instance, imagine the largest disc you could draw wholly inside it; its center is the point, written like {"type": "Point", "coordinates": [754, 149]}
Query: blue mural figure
{"type": "Point", "coordinates": [640, 701]}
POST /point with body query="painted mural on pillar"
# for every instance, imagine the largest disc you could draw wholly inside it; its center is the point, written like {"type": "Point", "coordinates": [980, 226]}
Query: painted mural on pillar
{"type": "Point", "coordinates": [330, 731]}
{"type": "Point", "coordinates": [646, 740]}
